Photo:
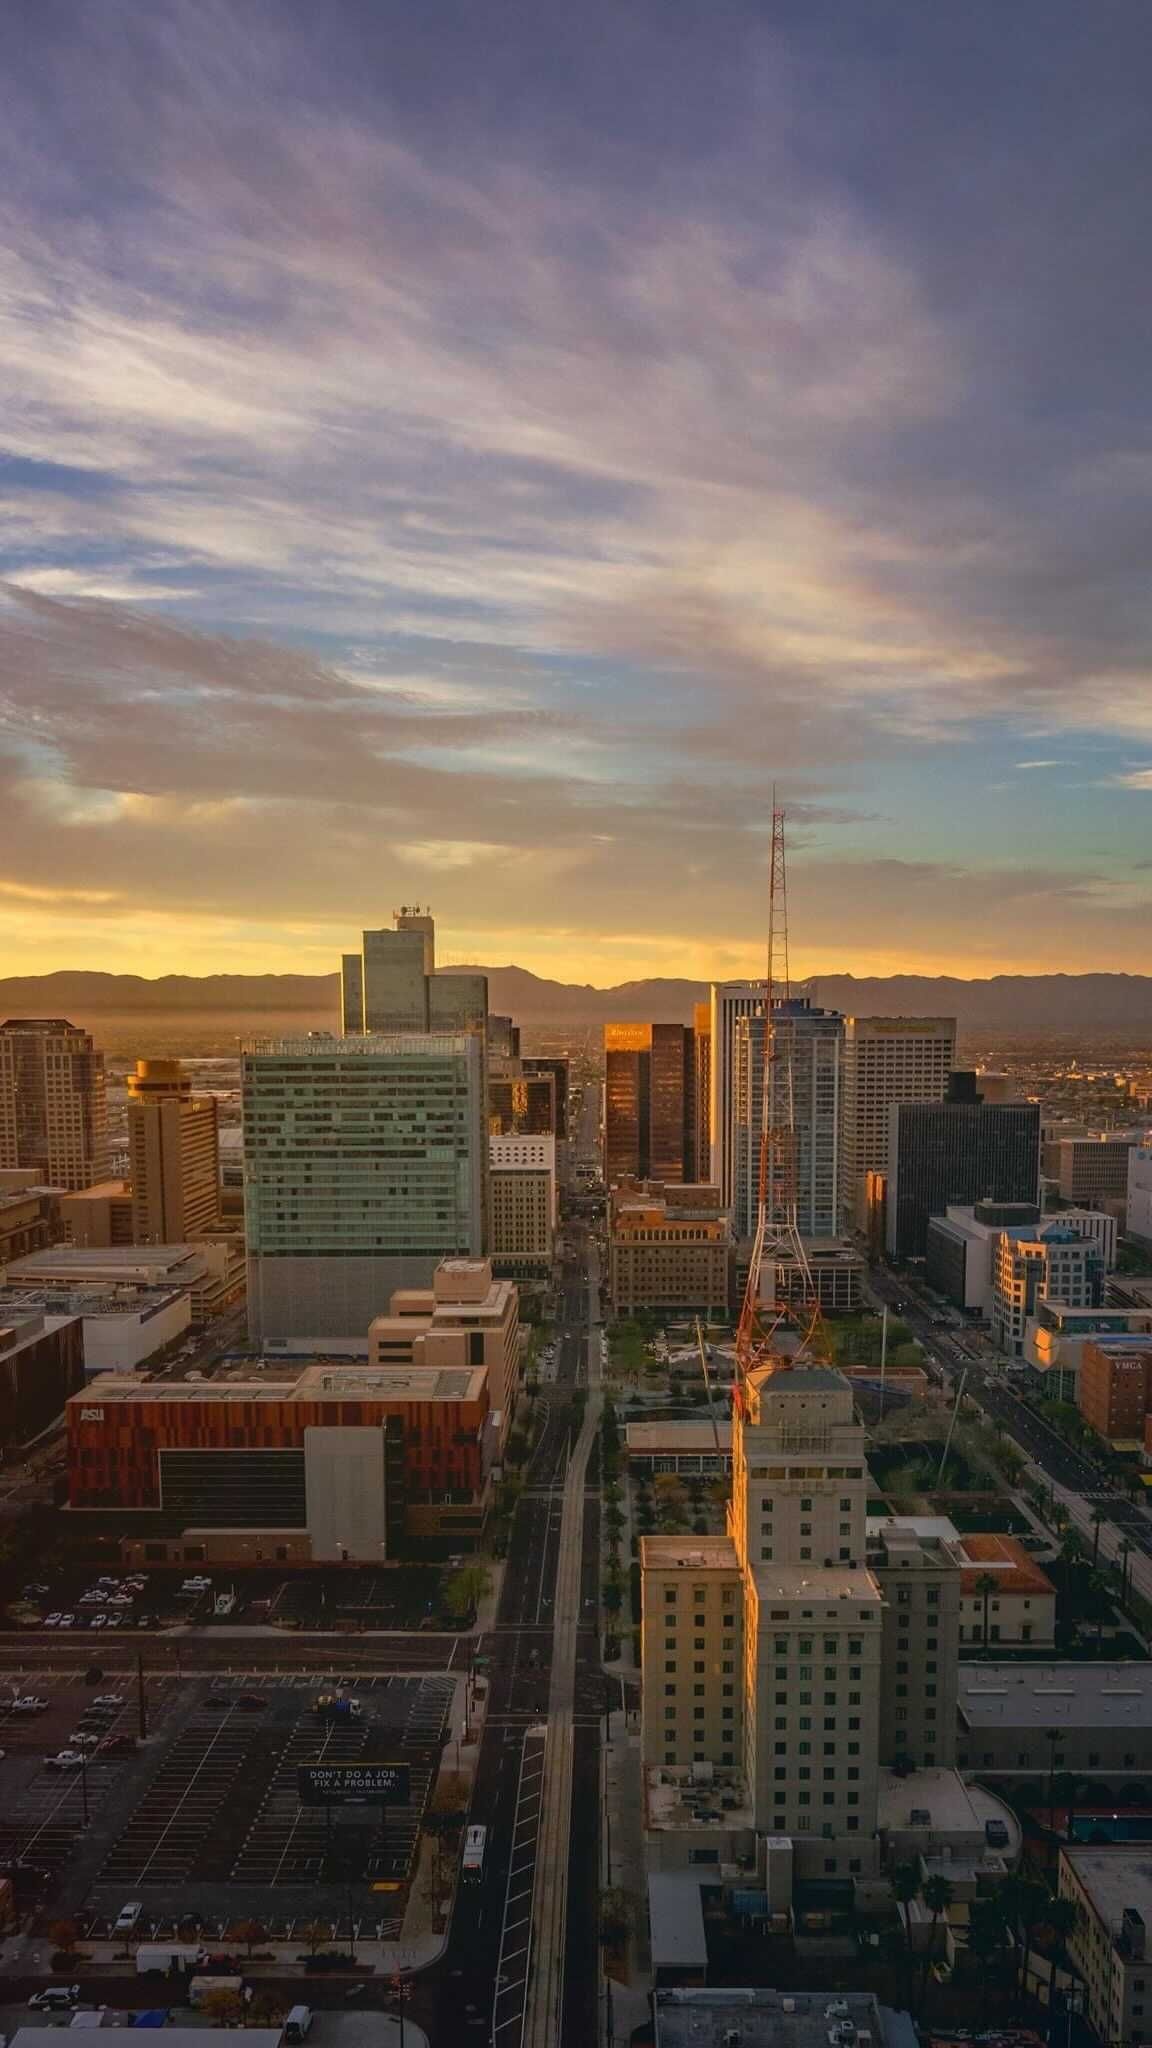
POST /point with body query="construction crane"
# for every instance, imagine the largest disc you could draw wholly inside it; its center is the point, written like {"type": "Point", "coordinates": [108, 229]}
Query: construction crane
{"type": "Point", "coordinates": [777, 1228]}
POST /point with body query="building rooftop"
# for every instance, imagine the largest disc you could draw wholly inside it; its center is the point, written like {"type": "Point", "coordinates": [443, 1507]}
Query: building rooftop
{"type": "Point", "coordinates": [953, 1805]}
{"type": "Point", "coordinates": [926, 1527]}
{"type": "Point", "coordinates": [1114, 1879]}
{"type": "Point", "coordinates": [141, 1302]}
{"type": "Point", "coordinates": [676, 1920]}
{"type": "Point", "coordinates": [1056, 1695]}
{"type": "Point", "coordinates": [334, 1379]}
{"type": "Point", "coordinates": [696, 1796]}
{"type": "Point", "coordinates": [693, 1553]}
{"type": "Point", "coordinates": [809, 1379]}
{"type": "Point", "coordinates": [1005, 1559]}
{"type": "Point", "coordinates": [691, 2016]}
{"type": "Point", "coordinates": [369, 1044]}
{"type": "Point", "coordinates": [815, 1583]}
{"type": "Point", "coordinates": [677, 1436]}
{"type": "Point", "coordinates": [128, 1261]}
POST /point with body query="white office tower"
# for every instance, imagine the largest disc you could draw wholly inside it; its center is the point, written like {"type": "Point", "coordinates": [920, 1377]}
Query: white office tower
{"type": "Point", "coordinates": [885, 1060]}
{"type": "Point", "coordinates": [807, 1068]}
{"type": "Point", "coordinates": [732, 1003]}
{"type": "Point", "coordinates": [365, 1164]}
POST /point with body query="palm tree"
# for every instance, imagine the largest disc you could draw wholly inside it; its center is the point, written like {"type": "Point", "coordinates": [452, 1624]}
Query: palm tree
{"type": "Point", "coordinates": [937, 1897]}
{"type": "Point", "coordinates": [1098, 1516]}
{"type": "Point", "coordinates": [986, 1585]}
{"type": "Point", "coordinates": [905, 1885]}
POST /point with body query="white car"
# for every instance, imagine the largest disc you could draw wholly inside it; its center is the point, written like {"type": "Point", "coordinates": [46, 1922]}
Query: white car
{"type": "Point", "coordinates": [65, 1760]}
{"type": "Point", "coordinates": [53, 1620]}
{"type": "Point", "coordinates": [67, 1621]}
{"type": "Point", "coordinates": [57, 1998]}
{"type": "Point", "coordinates": [120, 1600]}
{"type": "Point", "coordinates": [99, 1621]}
{"type": "Point", "coordinates": [108, 1699]}
{"type": "Point", "coordinates": [81, 1739]}
{"type": "Point", "coordinates": [29, 1704]}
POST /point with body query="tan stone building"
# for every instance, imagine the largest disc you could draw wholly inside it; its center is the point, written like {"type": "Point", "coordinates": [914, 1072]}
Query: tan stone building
{"type": "Point", "coordinates": [99, 1216]}
{"type": "Point", "coordinates": [523, 1208]}
{"type": "Point", "coordinates": [466, 1318]}
{"type": "Point", "coordinates": [884, 1060]}
{"type": "Point", "coordinates": [669, 1249]}
{"type": "Point", "coordinates": [174, 1155]}
{"type": "Point", "coordinates": [53, 1104]}
{"type": "Point", "coordinates": [1109, 1946]}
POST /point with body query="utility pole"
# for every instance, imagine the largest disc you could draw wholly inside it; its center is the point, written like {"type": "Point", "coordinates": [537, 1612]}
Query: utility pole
{"type": "Point", "coordinates": [141, 1698]}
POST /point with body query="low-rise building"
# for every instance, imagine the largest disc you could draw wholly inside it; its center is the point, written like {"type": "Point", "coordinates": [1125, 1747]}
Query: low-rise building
{"type": "Point", "coordinates": [717, 2017]}
{"type": "Point", "coordinates": [1115, 1388]}
{"type": "Point", "coordinates": [1003, 1582]}
{"type": "Point", "coordinates": [834, 1272]}
{"type": "Point", "coordinates": [960, 1246]}
{"type": "Point", "coordinates": [122, 1329]}
{"type": "Point", "coordinates": [1094, 1169]}
{"type": "Point", "coordinates": [688, 1449]}
{"type": "Point", "coordinates": [466, 1318]}
{"type": "Point", "coordinates": [98, 1216]}
{"type": "Point", "coordinates": [1053, 1262]}
{"type": "Point", "coordinates": [669, 1249]}
{"type": "Point", "coordinates": [41, 1365]}
{"type": "Point", "coordinates": [211, 1271]}
{"type": "Point", "coordinates": [1108, 1945]}
{"type": "Point", "coordinates": [1100, 1715]}
{"type": "Point", "coordinates": [342, 1460]}
{"type": "Point", "coordinates": [29, 1216]}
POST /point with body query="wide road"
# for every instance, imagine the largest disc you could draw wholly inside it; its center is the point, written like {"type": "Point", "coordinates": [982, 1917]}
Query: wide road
{"type": "Point", "coordinates": [1074, 1478]}
{"type": "Point", "coordinates": [479, 1991]}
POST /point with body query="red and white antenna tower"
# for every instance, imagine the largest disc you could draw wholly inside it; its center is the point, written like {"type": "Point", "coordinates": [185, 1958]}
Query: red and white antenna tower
{"type": "Point", "coordinates": [777, 1228]}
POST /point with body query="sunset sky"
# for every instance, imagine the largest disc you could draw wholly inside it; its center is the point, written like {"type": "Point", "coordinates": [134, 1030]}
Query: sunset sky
{"type": "Point", "coordinates": [465, 452]}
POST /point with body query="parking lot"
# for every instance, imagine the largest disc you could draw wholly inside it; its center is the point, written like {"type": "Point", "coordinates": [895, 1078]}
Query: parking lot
{"type": "Point", "coordinates": [100, 1602]}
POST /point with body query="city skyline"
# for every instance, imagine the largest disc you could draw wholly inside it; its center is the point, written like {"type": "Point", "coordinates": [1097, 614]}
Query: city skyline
{"type": "Point", "coordinates": [474, 460]}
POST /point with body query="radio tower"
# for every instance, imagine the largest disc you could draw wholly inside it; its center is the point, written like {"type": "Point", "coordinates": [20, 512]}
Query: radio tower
{"type": "Point", "coordinates": [777, 1230]}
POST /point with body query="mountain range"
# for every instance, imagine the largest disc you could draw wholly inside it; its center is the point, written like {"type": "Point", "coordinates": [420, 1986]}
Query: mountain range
{"type": "Point", "coordinates": [1111, 1005]}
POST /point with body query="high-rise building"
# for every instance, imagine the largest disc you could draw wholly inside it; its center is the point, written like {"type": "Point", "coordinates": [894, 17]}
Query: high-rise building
{"type": "Point", "coordinates": [53, 1108]}
{"type": "Point", "coordinates": [1138, 1223]}
{"type": "Point", "coordinates": [808, 1043]}
{"type": "Point", "coordinates": [941, 1153]}
{"type": "Point", "coordinates": [885, 1060]}
{"type": "Point", "coordinates": [392, 984]}
{"type": "Point", "coordinates": [794, 1656]}
{"type": "Point", "coordinates": [524, 1206]}
{"type": "Point", "coordinates": [731, 1002]}
{"type": "Point", "coordinates": [555, 1064]}
{"type": "Point", "coordinates": [520, 1105]}
{"type": "Point", "coordinates": [702, 1090]}
{"type": "Point", "coordinates": [173, 1155]}
{"type": "Point", "coordinates": [649, 1115]}
{"type": "Point", "coordinates": [365, 1164]}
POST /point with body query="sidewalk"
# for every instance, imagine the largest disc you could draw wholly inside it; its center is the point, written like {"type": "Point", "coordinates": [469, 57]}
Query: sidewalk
{"type": "Point", "coordinates": [623, 1869]}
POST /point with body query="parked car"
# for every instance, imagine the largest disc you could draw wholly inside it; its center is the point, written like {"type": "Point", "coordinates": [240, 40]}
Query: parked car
{"type": "Point", "coordinates": [56, 1998]}
{"type": "Point", "coordinates": [65, 1760]}
{"type": "Point", "coordinates": [29, 1703]}
{"type": "Point", "coordinates": [67, 1621]}
{"type": "Point", "coordinates": [108, 1699]}
{"type": "Point", "coordinates": [53, 1620]}
{"type": "Point", "coordinates": [82, 1738]}
{"type": "Point", "coordinates": [118, 1745]}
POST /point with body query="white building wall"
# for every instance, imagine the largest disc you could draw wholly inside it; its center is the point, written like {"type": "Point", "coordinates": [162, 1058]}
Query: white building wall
{"type": "Point", "coordinates": [122, 1343]}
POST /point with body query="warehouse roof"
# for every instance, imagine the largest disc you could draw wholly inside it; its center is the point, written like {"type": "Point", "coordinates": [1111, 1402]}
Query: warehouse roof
{"type": "Point", "coordinates": [1056, 1695]}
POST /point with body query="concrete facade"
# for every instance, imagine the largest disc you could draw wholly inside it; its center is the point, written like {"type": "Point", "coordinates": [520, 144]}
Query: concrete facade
{"type": "Point", "coordinates": [885, 1060]}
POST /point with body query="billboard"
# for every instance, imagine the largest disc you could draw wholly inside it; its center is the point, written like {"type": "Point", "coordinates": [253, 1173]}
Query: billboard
{"type": "Point", "coordinates": [352, 1784]}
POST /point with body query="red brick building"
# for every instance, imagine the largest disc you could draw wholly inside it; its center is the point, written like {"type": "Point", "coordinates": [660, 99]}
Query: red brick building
{"type": "Point", "coordinates": [1114, 1390]}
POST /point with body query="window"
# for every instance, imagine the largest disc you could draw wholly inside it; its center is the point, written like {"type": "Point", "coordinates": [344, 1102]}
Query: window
{"type": "Point", "coordinates": [699, 1667]}
{"type": "Point", "coordinates": [806, 1506]}
{"type": "Point", "coordinates": [698, 1692]}
{"type": "Point", "coordinates": [902, 1666]}
{"type": "Point", "coordinates": [781, 1699]}
{"type": "Point", "coordinates": [805, 1528]}
{"type": "Point", "coordinates": [699, 1620]}
{"type": "Point", "coordinates": [670, 1596]}
{"type": "Point", "coordinates": [727, 1664]}
{"type": "Point", "coordinates": [697, 1713]}
{"type": "Point", "coordinates": [805, 1551]}
{"type": "Point", "coordinates": [727, 1691]}
{"type": "Point", "coordinates": [699, 1643]}
{"type": "Point", "coordinates": [669, 1642]}
{"type": "Point", "coordinates": [781, 1771]}
{"type": "Point", "coordinates": [727, 1713]}
{"type": "Point", "coordinates": [669, 1713]}
{"type": "Point", "coordinates": [669, 1692]}
{"type": "Point", "coordinates": [766, 1553]}
{"type": "Point", "coordinates": [671, 1666]}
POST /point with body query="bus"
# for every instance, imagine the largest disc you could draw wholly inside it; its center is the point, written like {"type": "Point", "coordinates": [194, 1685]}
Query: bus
{"type": "Point", "coordinates": [472, 1867]}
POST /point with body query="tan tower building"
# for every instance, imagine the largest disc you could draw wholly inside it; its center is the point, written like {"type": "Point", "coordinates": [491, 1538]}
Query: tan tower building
{"type": "Point", "coordinates": [53, 1107]}
{"type": "Point", "coordinates": [884, 1060]}
{"type": "Point", "coordinates": [174, 1154]}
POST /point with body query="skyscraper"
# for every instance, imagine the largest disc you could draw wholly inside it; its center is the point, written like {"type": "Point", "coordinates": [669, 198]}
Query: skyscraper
{"type": "Point", "coordinates": [174, 1155]}
{"type": "Point", "coordinates": [808, 1045]}
{"type": "Point", "coordinates": [731, 1001]}
{"type": "Point", "coordinates": [392, 983]}
{"type": "Point", "coordinates": [955, 1152]}
{"type": "Point", "coordinates": [702, 1087]}
{"type": "Point", "coordinates": [649, 1087]}
{"type": "Point", "coordinates": [885, 1060]}
{"type": "Point", "coordinates": [365, 1163]}
{"type": "Point", "coordinates": [53, 1107]}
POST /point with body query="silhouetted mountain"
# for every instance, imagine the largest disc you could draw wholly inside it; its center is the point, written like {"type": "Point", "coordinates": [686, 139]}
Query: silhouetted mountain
{"type": "Point", "coordinates": [1112, 1005]}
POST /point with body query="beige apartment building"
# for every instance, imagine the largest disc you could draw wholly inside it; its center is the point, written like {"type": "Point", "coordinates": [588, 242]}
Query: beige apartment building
{"type": "Point", "coordinates": [884, 1060]}
{"type": "Point", "coordinates": [174, 1155]}
{"type": "Point", "coordinates": [669, 1249]}
{"type": "Point", "coordinates": [53, 1104]}
{"type": "Point", "coordinates": [466, 1318]}
{"type": "Point", "coordinates": [98, 1217]}
{"type": "Point", "coordinates": [920, 1578]}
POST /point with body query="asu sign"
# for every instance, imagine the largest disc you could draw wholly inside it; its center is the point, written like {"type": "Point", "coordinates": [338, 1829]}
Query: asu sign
{"type": "Point", "coordinates": [353, 1784]}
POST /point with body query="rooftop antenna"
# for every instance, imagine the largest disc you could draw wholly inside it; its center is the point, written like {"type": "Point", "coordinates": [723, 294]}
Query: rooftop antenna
{"type": "Point", "coordinates": [777, 1233]}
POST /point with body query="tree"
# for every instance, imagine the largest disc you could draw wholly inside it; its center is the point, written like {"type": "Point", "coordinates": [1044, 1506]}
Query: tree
{"type": "Point", "coordinates": [250, 1932]}
{"type": "Point", "coordinates": [615, 1917]}
{"type": "Point", "coordinates": [1023, 1902]}
{"type": "Point", "coordinates": [611, 1597]}
{"type": "Point", "coordinates": [465, 1590]}
{"type": "Point", "coordinates": [986, 1932]}
{"type": "Point", "coordinates": [314, 1932]}
{"type": "Point", "coordinates": [64, 1935]}
{"type": "Point", "coordinates": [223, 2005]}
{"type": "Point", "coordinates": [1098, 1516]}
{"type": "Point", "coordinates": [938, 1895]}
{"type": "Point", "coordinates": [986, 1585]}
